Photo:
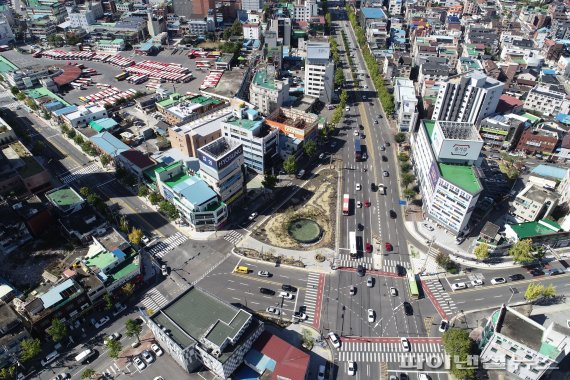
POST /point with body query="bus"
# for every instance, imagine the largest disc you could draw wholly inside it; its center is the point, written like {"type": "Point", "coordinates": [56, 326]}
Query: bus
{"type": "Point", "coordinates": [345, 204]}
{"type": "Point", "coordinates": [122, 76]}
{"type": "Point", "coordinates": [352, 244]}
{"type": "Point", "coordinates": [357, 150]}
{"type": "Point", "coordinates": [413, 286]}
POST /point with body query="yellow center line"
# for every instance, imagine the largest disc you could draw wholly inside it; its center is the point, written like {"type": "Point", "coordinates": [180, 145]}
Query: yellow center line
{"type": "Point", "coordinates": [263, 280]}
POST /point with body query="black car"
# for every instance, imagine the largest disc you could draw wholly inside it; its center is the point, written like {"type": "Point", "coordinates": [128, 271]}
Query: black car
{"type": "Point", "coordinates": [288, 288]}
{"type": "Point", "coordinates": [393, 214]}
{"type": "Point", "coordinates": [360, 227]}
{"type": "Point", "coordinates": [408, 309]}
{"type": "Point", "coordinates": [516, 277]}
{"type": "Point", "coordinates": [372, 186]}
{"type": "Point", "coordinates": [400, 270]}
{"type": "Point", "coordinates": [403, 376]}
{"type": "Point", "coordinates": [360, 271]}
{"type": "Point", "coordinates": [384, 158]}
{"type": "Point", "coordinates": [387, 143]}
{"type": "Point", "coordinates": [267, 291]}
{"type": "Point", "coordinates": [537, 272]}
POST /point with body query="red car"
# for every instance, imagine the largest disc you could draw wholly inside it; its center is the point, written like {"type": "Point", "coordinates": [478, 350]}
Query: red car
{"type": "Point", "coordinates": [368, 248]}
{"type": "Point", "coordinates": [366, 203]}
{"type": "Point", "coordinates": [388, 247]}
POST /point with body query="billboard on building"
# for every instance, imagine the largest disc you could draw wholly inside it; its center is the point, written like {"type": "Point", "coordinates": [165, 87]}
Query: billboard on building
{"type": "Point", "coordinates": [460, 150]}
{"type": "Point", "coordinates": [222, 162]}
{"type": "Point", "coordinates": [433, 175]}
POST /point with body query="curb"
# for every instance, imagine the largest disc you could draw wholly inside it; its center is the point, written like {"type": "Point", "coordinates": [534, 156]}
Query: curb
{"type": "Point", "coordinates": [269, 262]}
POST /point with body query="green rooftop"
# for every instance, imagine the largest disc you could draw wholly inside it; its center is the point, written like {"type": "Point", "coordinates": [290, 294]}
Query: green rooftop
{"type": "Point", "coordinates": [101, 260]}
{"type": "Point", "coordinates": [261, 79]}
{"type": "Point", "coordinates": [462, 176]}
{"type": "Point", "coordinates": [64, 197]}
{"type": "Point", "coordinates": [39, 92]}
{"type": "Point", "coordinates": [531, 117]}
{"type": "Point", "coordinates": [171, 100]}
{"type": "Point", "coordinates": [163, 167]}
{"type": "Point", "coordinates": [244, 123]}
{"type": "Point", "coordinates": [197, 315]}
{"type": "Point", "coordinates": [6, 65]}
{"type": "Point", "coordinates": [530, 229]}
{"type": "Point", "coordinates": [175, 180]}
{"type": "Point", "coordinates": [125, 269]}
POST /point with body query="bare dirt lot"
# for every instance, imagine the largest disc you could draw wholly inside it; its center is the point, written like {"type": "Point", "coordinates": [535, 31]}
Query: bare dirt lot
{"type": "Point", "coordinates": [317, 201]}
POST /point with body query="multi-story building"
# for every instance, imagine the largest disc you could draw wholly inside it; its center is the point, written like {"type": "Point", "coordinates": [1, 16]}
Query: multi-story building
{"type": "Point", "coordinates": [197, 329]}
{"type": "Point", "coordinates": [12, 332]}
{"type": "Point", "coordinates": [266, 92]}
{"type": "Point", "coordinates": [111, 46]}
{"type": "Point", "coordinates": [434, 71]}
{"type": "Point", "coordinates": [296, 127]}
{"type": "Point", "coordinates": [252, 5]}
{"type": "Point", "coordinates": [84, 115]}
{"type": "Point", "coordinates": [251, 31]}
{"type": "Point", "coordinates": [502, 131]}
{"type": "Point", "coordinates": [522, 347]}
{"type": "Point", "coordinates": [221, 167]}
{"type": "Point", "coordinates": [443, 154]}
{"type": "Point", "coordinates": [192, 108]}
{"type": "Point", "coordinates": [304, 10]}
{"type": "Point", "coordinates": [395, 7]}
{"type": "Point", "coordinates": [192, 8]}
{"type": "Point", "coordinates": [259, 140]}
{"type": "Point", "coordinates": [65, 200]}
{"type": "Point", "coordinates": [533, 203]}
{"type": "Point", "coordinates": [6, 34]}
{"type": "Point", "coordinates": [406, 102]}
{"type": "Point", "coordinates": [85, 15]}
{"type": "Point", "coordinates": [21, 172]}
{"type": "Point", "coordinates": [13, 231]}
{"type": "Point", "coordinates": [539, 140]}
{"type": "Point", "coordinates": [319, 71]}
{"type": "Point", "coordinates": [197, 204]}
{"type": "Point", "coordinates": [547, 99]}
{"type": "Point", "coordinates": [370, 15]}
{"type": "Point", "coordinates": [52, 9]}
{"type": "Point", "coordinates": [282, 27]}
{"type": "Point", "coordinates": [467, 98]}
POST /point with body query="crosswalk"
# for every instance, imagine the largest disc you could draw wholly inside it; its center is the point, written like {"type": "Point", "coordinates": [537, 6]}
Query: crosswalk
{"type": "Point", "coordinates": [112, 370]}
{"type": "Point", "coordinates": [162, 247]}
{"type": "Point", "coordinates": [442, 296]}
{"type": "Point", "coordinates": [89, 169]}
{"type": "Point", "coordinates": [345, 261]}
{"type": "Point", "coordinates": [390, 265]}
{"type": "Point", "coordinates": [153, 299]}
{"type": "Point", "coordinates": [233, 237]}
{"type": "Point", "coordinates": [311, 295]}
{"type": "Point", "coordinates": [386, 352]}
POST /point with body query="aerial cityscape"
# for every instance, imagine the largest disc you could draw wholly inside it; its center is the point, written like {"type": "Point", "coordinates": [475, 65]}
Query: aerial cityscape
{"type": "Point", "coordinates": [285, 190]}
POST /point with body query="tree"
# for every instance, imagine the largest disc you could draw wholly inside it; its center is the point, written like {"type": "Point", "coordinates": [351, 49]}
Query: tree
{"type": "Point", "coordinates": [407, 179]}
{"type": "Point", "coordinates": [30, 348]}
{"type": "Point", "coordinates": [290, 165]}
{"type": "Point", "coordinates": [533, 291]}
{"type": "Point", "coordinates": [105, 159]}
{"type": "Point", "coordinates": [457, 343]}
{"type": "Point", "coordinates": [338, 77]}
{"type": "Point", "coordinates": [168, 209]}
{"type": "Point", "coordinates": [343, 97]}
{"type": "Point", "coordinates": [143, 191]}
{"type": "Point", "coordinates": [30, 103]}
{"type": "Point", "coordinates": [409, 193]}
{"type": "Point", "coordinates": [115, 347]}
{"type": "Point", "coordinates": [549, 291]}
{"type": "Point", "coordinates": [269, 181]}
{"type": "Point", "coordinates": [405, 167]}
{"type": "Point", "coordinates": [124, 224]}
{"type": "Point", "coordinates": [403, 157]}
{"type": "Point", "coordinates": [310, 148]}
{"type": "Point", "coordinates": [521, 251]}
{"type": "Point", "coordinates": [133, 329]}
{"type": "Point", "coordinates": [85, 192]}
{"type": "Point", "coordinates": [307, 338]}
{"type": "Point", "coordinates": [87, 373]}
{"type": "Point", "coordinates": [443, 260]}
{"type": "Point", "coordinates": [108, 302]}
{"type": "Point", "coordinates": [14, 90]}
{"type": "Point", "coordinates": [21, 96]}
{"type": "Point", "coordinates": [128, 289]}
{"type": "Point", "coordinates": [154, 198]}
{"type": "Point", "coordinates": [481, 252]}
{"type": "Point", "coordinates": [400, 137]}
{"type": "Point", "coordinates": [58, 330]}
{"type": "Point", "coordinates": [8, 372]}
{"type": "Point", "coordinates": [136, 235]}
{"type": "Point", "coordinates": [508, 169]}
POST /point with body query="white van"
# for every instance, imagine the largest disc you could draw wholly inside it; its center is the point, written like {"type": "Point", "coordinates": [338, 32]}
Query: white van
{"type": "Point", "coordinates": [84, 355]}
{"type": "Point", "coordinates": [301, 173]}
{"type": "Point", "coordinates": [50, 358]}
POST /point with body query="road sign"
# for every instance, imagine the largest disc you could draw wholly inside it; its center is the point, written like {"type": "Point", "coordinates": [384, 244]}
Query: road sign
{"type": "Point", "coordinates": [403, 202]}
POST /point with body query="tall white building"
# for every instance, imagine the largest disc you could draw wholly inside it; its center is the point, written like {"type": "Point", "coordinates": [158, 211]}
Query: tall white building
{"type": "Point", "coordinates": [467, 98]}
{"type": "Point", "coordinates": [305, 9]}
{"type": "Point", "coordinates": [548, 100]}
{"type": "Point", "coordinates": [406, 103]}
{"type": "Point", "coordinates": [252, 5]}
{"type": "Point", "coordinates": [395, 7]}
{"type": "Point", "coordinates": [443, 153]}
{"type": "Point", "coordinates": [282, 26]}
{"type": "Point", "coordinates": [85, 15]}
{"type": "Point", "coordinates": [266, 92]}
{"type": "Point", "coordinates": [251, 31]}
{"type": "Point", "coordinates": [319, 71]}
{"type": "Point", "coordinates": [6, 34]}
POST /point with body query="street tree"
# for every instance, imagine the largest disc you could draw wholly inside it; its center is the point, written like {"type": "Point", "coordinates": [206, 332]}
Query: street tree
{"type": "Point", "coordinates": [443, 260]}
{"type": "Point", "coordinates": [481, 252]}
{"type": "Point", "coordinates": [269, 181]}
{"type": "Point", "coordinates": [549, 291]}
{"type": "Point", "coordinates": [58, 330]}
{"type": "Point", "coordinates": [290, 165]}
{"type": "Point", "coordinates": [343, 97]}
{"type": "Point", "coordinates": [521, 251]}
{"type": "Point", "coordinates": [105, 159]}
{"type": "Point", "coordinates": [338, 77]}
{"type": "Point", "coordinates": [20, 96]}
{"type": "Point", "coordinates": [135, 236]}
{"type": "Point", "coordinates": [457, 343]}
{"type": "Point", "coordinates": [409, 193]}
{"type": "Point", "coordinates": [310, 148]}
{"type": "Point", "coordinates": [124, 224]}
{"type": "Point", "coordinates": [107, 302]}
{"type": "Point", "coordinates": [400, 137]}
{"type": "Point", "coordinates": [14, 90]}
{"type": "Point", "coordinates": [405, 167]}
{"type": "Point", "coordinates": [30, 348]}
{"type": "Point", "coordinates": [533, 291]}
{"type": "Point", "coordinates": [168, 209]}
{"type": "Point", "coordinates": [407, 179]}
{"type": "Point", "coordinates": [85, 191]}
{"type": "Point", "coordinates": [143, 191]}
{"type": "Point", "coordinates": [154, 198]}
{"type": "Point", "coordinates": [128, 289]}
{"type": "Point", "coordinates": [133, 329]}
{"type": "Point", "coordinates": [87, 373]}
{"type": "Point", "coordinates": [8, 372]}
{"type": "Point", "coordinates": [115, 347]}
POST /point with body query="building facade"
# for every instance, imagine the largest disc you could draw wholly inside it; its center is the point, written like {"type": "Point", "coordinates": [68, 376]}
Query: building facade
{"type": "Point", "coordinates": [502, 131]}
{"type": "Point", "coordinates": [266, 92]}
{"type": "Point", "coordinates": [405, 102]}
{"type": "Point", "coordinates": [533, 203]}
{"type": "Point", "coordinates": [319, 71]}
{"type": "Point", "coordinates": [548, 100]}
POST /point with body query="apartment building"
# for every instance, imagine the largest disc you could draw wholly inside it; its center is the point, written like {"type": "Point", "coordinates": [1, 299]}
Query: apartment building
{"type": "Point", "coordinates": [319, 71]}
{"type": "Point", "coordinates": [304, 10]}
{"type": "Point", "coordinates": [405, 102]}
{"type": "Point", "coordinates": [549, 100]}
{"type": "Point", "coordinates": [533, 203]}
{"type": "Point", "coordinates": [266, 92]}
{"type": "Point", "coordinates": [502, 131]}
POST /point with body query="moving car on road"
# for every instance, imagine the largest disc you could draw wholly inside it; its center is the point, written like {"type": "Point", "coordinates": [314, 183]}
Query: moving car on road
{"type": "Point", "coordinates": [368, 248]}
{"type": "Point", "coordinates": [370, 281]}
{"type": "Point", "coordinates": [273, 310]}
{"type": "Point", "coordinates": [388, 247]}
{"type": "Point", "coordinates": [267, 291]}
{"type": "Point", "coordinates": [263, 273]}
{"type": "Point", "coordinates": [164, 270]}
{"type": "Point", "coordinates": [360, 270]}
{"type": "Point", "coordinates": [358, 187]}
{"type": "Point", "coordinates": [286, 295]}
{"type": "Point", "coordinates": [334, 340]}
{"type": "Point", "coordinates": [371, 316]}
{"type": "Point", "coordinates": [516, 277]}
{"type": "Point", "coordinates": [289, 288]}
{"type": "Point", "coordinates": [351, 368]}
{"type": "Point", "coordinates": [443, 326]}
{"type": "Point", "coordinates": [393, 292]}
{"type": "Point", "coordinates": [405, 344]}
{"type": "Point", "coordinates": [352, 290]}
{"type": "Point", "coordinates": [408, 309]}
{"type": "Point", "coordinates": [498, 280]}
{"type": "Point", "coordinates": [253, 216]}
{"type": "Point", "coordinates": [300, 316]}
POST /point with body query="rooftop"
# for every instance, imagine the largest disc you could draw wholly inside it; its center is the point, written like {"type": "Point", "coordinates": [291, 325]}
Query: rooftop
{"type": "Point", "coordinates": [219, 147]}
{"type": "Point", "coordinates": [514, 326]}
{"type": "Point", "coordinates": [530, 229]}
{"type": "Point", "coordinates": [64, 197]}
{"type": "Point", "coordinates": [373, 13]}
{"type": "Point", "coordinates": [550, 171]}
{"type": "Point", "coordinates": [262, 79]}
{"type": "Point", "coordinates": [244, 123]}
{"type": "Point", "coordinates": [206, 125]}
{"type": "Point", "coordinates": [454, 130]}
{"type": "Point", "coordinates": [462, 176]}
{"type": "Point", "coordinates": [42, 91]}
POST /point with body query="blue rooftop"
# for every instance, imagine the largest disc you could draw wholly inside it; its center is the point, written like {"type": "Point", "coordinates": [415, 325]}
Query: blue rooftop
{"type": "Point", "coordinates": [549, 72]}
{"type": "Point", "coordinates": [65, 110]}
{"type": "Point", "coordinates": [563, 118]}
{"type": "Point", "coordinates": [109, 144]}
{"type": "Point", "coordinates": [373, 13]}
{"type": "Point", "coordinates": [453, 19]}
{"type": "Point", "coordinates": [259, 361]}
{"type": "Point", "coordinates": [550, 171]}
{"type": "Point", "coordinates": [195, 190]}
{"type": "Point", "coordinates": [53, 296]}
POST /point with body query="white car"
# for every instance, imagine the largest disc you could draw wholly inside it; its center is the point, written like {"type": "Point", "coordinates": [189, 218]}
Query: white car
{"type": "Point", "coordinates": [347, 109]}
{"type": "Point", "coordinates": [334, 340]}
{"type": "Point", "coordinates": [113, 336]}
{"type": "Point", "coordinates": [321, 156]}
{"type": "Point", "coordinates": [371, 316]}
{"type": "Point", "coordinates": [147, 356]}
{"type": "Point", "coordinates": [498, 280]}
{"type": "Point", "coordinates": [273, 310]}
{"type": "Point", "coordinates": [164, 270]}
{"type": "Point", "coordinates": [405, 344]}
{"type": "Point", "coordinates": [359, 204]}
{"type": "Point", "coordinates": [358, 187]}
{"type": "Point", "coordinates": [139, 363]}
{"type": "Point", "coordinates": [300, 316]}
{"type": "Point", "coordinates": [458, 286]}
{"type": "Point", "coordinates": [263, 273]}
{"type": "Point", "coordinates": [101, 322]}
{"type": "Point", "coordinates": [145, 240]}
{"type": "Point", "coordinates": [351, 368]}
{"type": "Point", "coordinates": [253, 216]}
{"type": "Point", "coordinates": [119, 307]}
{"type": "Point", "coordinates": [444, 325]}
{"type": "Point", "coordinates": [286, 295]}
{"type": "Point", "coordinates": [393, 292]}
{"type": "Point", "coordinates": [156, 349]}
{"type": "Point", "coordinates": [355, 132]}
{"type": "Point", "coordinates": [477, 282]}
